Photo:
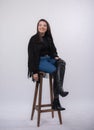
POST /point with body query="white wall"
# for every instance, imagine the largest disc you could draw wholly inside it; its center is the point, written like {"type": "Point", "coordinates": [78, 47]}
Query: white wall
{"type": "Point", "coordinates": [72, 24]}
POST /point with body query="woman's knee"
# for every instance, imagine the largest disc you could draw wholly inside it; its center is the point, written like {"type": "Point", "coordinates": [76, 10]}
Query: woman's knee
{"type": "Point", "coordinates": [53, 69]}
{"type": "Point", "coordinates": [47, 68]}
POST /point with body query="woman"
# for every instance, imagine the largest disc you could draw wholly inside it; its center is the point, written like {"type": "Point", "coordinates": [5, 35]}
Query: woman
{"type": "Point", "coordinates": [42, 56]}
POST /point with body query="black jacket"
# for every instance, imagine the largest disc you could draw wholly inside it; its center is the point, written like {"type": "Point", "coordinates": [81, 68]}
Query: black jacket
{"type": "Point", "coordinates": [34, 49]}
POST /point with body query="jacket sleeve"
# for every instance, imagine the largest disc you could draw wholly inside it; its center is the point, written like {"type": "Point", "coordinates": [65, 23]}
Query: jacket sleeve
{"type": "Point", "coordinates": [33, 58]}
{"type": "Point", "coordinates": [54, 50]}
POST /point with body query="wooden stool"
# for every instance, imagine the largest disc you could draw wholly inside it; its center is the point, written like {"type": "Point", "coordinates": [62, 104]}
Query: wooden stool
{"type": "Point", "coordinates": [38, 87]}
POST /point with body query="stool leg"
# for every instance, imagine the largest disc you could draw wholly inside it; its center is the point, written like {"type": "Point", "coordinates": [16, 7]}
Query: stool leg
{"type": "Point", "coordinates": [34, 101]}
{"type": "Point", "coordinates": [51, 93]}
{"type": "Point", "coordinates": [60, 118]}
{"type": "Point", "coordinates": [39, 102]}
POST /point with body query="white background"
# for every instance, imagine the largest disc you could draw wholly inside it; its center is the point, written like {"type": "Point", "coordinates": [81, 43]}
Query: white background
{"type": "Point", "coordinates": [72, 26]}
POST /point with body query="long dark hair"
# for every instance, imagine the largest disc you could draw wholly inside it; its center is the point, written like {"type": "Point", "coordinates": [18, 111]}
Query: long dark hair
{"type": "Point", "coordinates": [48, 32]}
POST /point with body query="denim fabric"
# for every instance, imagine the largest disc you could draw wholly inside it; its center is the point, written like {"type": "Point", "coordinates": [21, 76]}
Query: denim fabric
{"type": "Point", "coordinates": [47, 64]}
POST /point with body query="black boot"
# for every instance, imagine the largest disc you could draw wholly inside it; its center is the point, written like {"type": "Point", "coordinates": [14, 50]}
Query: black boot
{"type": "Point", "coordinates": [56, 105]}
{"type": "Point", "coordinates": [63, 93]}
{"type": "Point", "coordinates": [60, 64]}
{"type": "Point", "coordinates": [57, 86]}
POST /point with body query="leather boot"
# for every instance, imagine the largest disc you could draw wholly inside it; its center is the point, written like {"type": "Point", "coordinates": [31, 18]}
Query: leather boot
{"type": "Point", "coordinates": [55, 85]}
{"type": "Point", "coordinates": [60, 64]}
{"type": "Point", "coordinates": [56, 105]}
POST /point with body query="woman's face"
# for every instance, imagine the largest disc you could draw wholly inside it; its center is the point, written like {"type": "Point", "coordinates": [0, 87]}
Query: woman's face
{"type": "Point", "coordinates": [42, 27]}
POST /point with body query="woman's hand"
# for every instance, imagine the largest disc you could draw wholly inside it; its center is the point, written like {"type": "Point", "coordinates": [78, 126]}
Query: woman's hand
{"type": "Point", "coordinates": [35, 77]}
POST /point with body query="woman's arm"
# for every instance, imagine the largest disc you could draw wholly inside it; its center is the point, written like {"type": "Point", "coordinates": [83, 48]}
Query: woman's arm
{"type": "Point", "coordinates": [33, 57]}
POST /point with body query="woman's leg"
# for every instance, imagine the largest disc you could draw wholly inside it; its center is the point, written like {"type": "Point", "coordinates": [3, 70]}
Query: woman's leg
{"type": "Point", "coordinates": [47, 65]}
{"type": "Point", "coordinates": [60, 77]}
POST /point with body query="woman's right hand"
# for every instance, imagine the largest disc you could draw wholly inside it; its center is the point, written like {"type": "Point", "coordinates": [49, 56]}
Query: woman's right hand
{"type": "Point", "coordinates": [35, 77]}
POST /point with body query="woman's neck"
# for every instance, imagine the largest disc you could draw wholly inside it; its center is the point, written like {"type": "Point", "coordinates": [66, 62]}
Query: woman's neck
{"type": "Point", "coordinates": [42, 34]}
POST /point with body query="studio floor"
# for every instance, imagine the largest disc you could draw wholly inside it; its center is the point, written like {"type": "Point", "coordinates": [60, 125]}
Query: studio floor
{"type": "Point", "coordinates": [77, 117]}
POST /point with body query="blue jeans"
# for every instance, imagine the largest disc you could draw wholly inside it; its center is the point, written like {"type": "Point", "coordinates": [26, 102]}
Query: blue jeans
{"type": "Point", "coordinates": [47, 64]}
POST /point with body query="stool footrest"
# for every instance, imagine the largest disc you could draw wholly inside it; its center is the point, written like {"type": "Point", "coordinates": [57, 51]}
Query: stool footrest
{"type": "Point", "coordinates": [45, 105]}
{"type": "Point", "coordinates": [47, 110]}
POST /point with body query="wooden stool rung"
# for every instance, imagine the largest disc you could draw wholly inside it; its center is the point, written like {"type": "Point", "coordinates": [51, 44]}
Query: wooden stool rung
{"type": "Point", "coordinates": [45, 105]}
{"type": "Point", "coordinates": [47, 110]}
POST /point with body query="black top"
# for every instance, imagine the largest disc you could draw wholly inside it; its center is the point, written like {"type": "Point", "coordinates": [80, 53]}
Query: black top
{"type": "Point", "coordinates": [45, 49]}
{"type": "Point", "coordinates": [36, 50]}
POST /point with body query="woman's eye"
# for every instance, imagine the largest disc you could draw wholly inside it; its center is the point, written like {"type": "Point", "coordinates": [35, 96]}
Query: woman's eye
{"type": "Point", "coordinates": [45, 25]}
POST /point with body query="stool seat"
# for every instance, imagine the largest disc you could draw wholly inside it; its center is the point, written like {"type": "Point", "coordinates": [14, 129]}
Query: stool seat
{"type": "Point", "coordinates": [38, 94]}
